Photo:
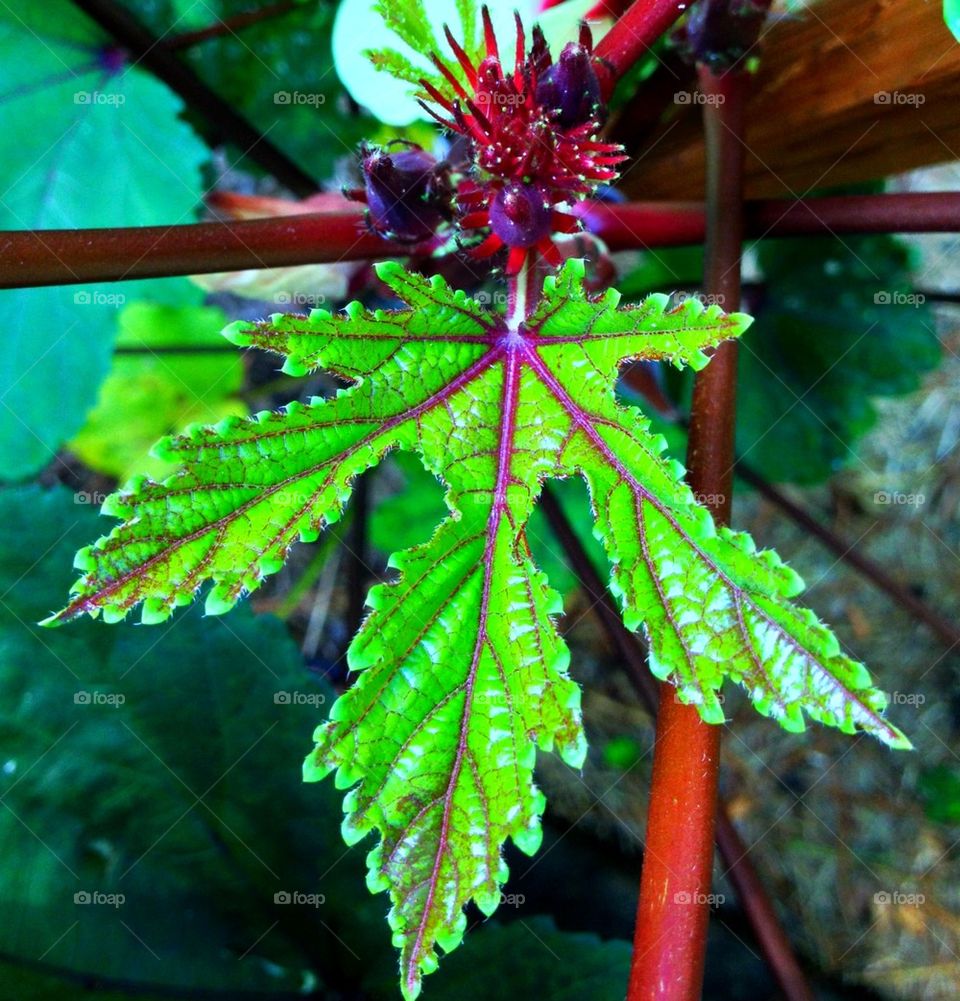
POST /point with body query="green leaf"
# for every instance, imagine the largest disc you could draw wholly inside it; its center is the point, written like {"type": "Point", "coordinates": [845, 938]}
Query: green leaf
{"type": "Point", "coordinates": [951, 17]}
{"type": "Point", "coordinates": [160, 765]}
{"type": "Point", "coordinates": [408, 516]}
{"type": "Point", "coordinates": [839, 326]}
{"type": "Point", "coordinates": [170, 382]}
{"type": "Point", "coordinates": [462, 675]}
{"type": "Point", "coordinates": [104, 150]}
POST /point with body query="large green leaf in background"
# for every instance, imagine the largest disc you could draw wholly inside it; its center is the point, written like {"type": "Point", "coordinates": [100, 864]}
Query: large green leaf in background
{"type": "Point", "coordinates": [278, 73]}
{"type": "Point", "coordinates": [159, 389]}
{"type": "Point", "coordinates": [836, 325]}
{"type": "Point", "coordinates": [101, 797]}
{"type": "Point", "coordinates": [80, 146]}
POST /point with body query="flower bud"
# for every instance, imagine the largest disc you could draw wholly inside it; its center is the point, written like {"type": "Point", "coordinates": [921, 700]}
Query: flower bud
{"type": "Point", "coordinates": [521, 215]}
{"type": "Point", "coordinates": [407, 192]}
{"type": "Point", "coordinates": [570, 88]}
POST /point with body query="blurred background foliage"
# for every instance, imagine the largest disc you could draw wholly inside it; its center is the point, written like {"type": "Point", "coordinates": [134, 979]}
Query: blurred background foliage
{"type": "Point", "coordinates": [157, 770]}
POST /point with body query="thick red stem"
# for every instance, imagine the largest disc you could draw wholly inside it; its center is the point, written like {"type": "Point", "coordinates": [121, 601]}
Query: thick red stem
{"type": "Point", "coordinates": [674, 910]}
{"type": "Point", "coordinates": [632, 35]}
{"type": "Point", "coordinates": [74, 256]}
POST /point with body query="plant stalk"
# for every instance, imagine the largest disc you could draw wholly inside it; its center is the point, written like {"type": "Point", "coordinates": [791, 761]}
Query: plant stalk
{"type": "Point", "coordinates": [631, 650]}
{"type": "Point", "coordinates": [30, 258]}
{"type": "Point", "coordinates": [632, 36]}
{"type": "Point", "coordinates": [673, 913]}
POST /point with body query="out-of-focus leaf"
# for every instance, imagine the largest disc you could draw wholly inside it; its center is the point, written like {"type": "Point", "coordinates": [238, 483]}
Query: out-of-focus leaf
{"type": "Point", "coordinates": [87, 141]}
{"type": "Point", "coordinates": [152, 393]}
{"type": "Point", "coordinates": [951, 17]}
{"type": "Point", "coordinates": [163, 766]}
{"type": "Point", "coordinates": [839, 324]}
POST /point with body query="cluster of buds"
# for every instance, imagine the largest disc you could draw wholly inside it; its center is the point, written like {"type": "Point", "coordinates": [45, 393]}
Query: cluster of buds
{"type": "Point", "coordinates": [533, 150]}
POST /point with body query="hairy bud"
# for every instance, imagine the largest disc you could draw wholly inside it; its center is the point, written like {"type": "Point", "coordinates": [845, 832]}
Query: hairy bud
{"type": "Point", "coordinates": [570, 88]}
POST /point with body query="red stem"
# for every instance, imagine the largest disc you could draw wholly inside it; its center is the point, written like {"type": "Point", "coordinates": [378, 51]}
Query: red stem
{"type": "Point", "coordinates": [632, 35]}
{"type": "Point", "coordinates": [751, 893]}
{"type": "Point", "coordinates": [673, 914]}
{"type": "Point", "coordinates": [73, 256]}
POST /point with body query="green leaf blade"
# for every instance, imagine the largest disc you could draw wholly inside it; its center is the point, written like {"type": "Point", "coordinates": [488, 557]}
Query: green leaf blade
{"type": "Point", "coordinates": [462, 676]}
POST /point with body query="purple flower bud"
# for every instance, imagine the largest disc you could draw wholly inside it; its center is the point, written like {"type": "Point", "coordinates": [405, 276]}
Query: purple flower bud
{"type": "Point", "coordinates": [521, 215]}
{"type": "Point", "coordinates": [407, 192]}
{"type": "Point", "coordinates": [571, 89]}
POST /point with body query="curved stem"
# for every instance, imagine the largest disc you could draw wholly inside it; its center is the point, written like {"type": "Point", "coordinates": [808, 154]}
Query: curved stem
{"type": "Point", "coordinates": [673, 914]}
{"type": "Point", "coordinates": [632, 35]}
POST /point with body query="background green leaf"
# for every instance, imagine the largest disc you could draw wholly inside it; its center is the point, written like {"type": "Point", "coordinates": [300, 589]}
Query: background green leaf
{"type": "Point", "coordinates": [104, 149]}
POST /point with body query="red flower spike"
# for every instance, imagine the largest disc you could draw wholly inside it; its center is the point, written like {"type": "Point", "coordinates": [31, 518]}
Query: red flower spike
{"type": "Point", "coordinates": [535, 148]}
